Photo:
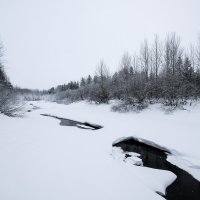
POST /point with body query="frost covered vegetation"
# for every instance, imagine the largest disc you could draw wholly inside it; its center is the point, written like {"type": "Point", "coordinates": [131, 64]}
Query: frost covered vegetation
{"type": "Point", "coordinates": [162, 71]}
{"type": "Point", "coordinates": [8, 98]}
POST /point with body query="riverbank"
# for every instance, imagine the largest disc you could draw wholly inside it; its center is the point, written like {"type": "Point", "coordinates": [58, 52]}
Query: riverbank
{"type": "Point", "coordinates": [42, 160]}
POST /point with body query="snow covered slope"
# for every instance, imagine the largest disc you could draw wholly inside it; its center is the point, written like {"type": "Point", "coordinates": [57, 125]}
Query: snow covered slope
{"type": "Point", "coordinates": [39, 159]}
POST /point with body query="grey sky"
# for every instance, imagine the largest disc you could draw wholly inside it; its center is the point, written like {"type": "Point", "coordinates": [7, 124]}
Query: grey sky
{"type": "Point", "coordinates": [50, 42]}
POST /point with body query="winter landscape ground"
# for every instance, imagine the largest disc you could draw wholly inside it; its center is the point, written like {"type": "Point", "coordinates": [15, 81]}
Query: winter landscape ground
{"type": "Point", "coordinates": [42, 160]}
{"type": "Point", "coordinates": [99, 100]}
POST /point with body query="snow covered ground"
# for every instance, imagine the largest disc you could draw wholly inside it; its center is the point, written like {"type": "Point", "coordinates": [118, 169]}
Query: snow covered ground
{"type": "Point", "coordinates": [39, 159]}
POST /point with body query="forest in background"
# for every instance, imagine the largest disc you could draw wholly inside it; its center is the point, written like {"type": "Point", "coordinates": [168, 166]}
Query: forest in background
{"type": "Point", "coordinates": [8, 96]}
{"type": "Point", "coordinates": [161, 72]}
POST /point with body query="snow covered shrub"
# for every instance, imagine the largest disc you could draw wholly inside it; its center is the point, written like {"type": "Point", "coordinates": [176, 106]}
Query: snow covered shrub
{"type": "Point", "coordinates": [127, 106]}
{"type": "Point", "coordinates": [10, 103]}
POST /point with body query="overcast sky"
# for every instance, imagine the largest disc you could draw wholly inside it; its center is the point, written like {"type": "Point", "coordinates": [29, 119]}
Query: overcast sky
{"type": "Point", "coordinates": [50, 42]}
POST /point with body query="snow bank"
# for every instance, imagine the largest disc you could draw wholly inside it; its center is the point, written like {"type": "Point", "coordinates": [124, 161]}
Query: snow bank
{"type": "Point", "coordinates": [39, 159]}
{"type": "Point", "coordinates": [150, 143]}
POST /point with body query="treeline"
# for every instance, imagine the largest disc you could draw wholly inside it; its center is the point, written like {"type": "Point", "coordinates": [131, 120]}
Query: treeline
{"type": "Point", "coordinates": [8, 99]}
{"type": "Point", "coordinates": [162, 71]}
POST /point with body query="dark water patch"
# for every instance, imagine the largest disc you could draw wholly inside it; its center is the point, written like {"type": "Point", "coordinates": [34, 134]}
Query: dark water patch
{"type": "Point", "coordinates": [185, 187]}
{"type": "Point", "coordinates": [69, 122]}
{"type": "Point", "coordinates": [33, 107]}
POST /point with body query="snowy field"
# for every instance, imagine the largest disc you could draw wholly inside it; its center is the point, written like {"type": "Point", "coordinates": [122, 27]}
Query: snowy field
{"type": "Point", "coordinates": [39, 159]}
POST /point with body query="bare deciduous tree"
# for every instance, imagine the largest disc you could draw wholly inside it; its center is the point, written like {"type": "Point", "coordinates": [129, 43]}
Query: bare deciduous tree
{"type": "Point", "coordinates": [156, 55]}
{"type": "Point", "coordinates": [145, 58]}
